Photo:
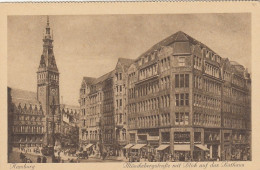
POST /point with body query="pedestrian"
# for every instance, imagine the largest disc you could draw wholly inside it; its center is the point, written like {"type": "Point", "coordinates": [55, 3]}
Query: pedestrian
{"type": "Point", "coordinates": [39, 160]}
{"type": "Point", "coordinates": [22, 156]}
{"type": "Point", "coordinates": [44, 159]}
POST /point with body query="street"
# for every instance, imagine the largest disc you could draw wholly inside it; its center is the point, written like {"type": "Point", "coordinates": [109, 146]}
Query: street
{"type": "Point", "coordinates": [15, 158]}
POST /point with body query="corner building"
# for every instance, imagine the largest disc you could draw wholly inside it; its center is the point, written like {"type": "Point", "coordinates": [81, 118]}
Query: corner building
{"type": "Point", "coordinates": [186, 100]}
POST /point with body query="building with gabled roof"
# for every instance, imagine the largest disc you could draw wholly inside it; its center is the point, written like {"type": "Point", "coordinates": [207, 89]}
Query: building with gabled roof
{"type": "Point", "coordinates": [37, 119]}
{"type": "Point", "coordinates": [103, 108]}
{"type": "Point", "coordinates": [185, 100]}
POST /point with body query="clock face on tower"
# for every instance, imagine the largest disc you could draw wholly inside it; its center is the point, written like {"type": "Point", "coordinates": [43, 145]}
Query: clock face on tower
{"type": "Point", "coordinates": [53, 91]}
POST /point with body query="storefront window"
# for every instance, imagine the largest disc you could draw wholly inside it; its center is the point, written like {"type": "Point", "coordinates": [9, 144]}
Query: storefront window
{"type": "Point", "coordinates": [181, 137]}
{"type": "Point", "coordinates": [165, 137]}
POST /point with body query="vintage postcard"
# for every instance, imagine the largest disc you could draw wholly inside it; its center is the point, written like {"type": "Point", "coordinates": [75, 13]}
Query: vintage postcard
{"type": "Point", "coordinates": [132, 85]}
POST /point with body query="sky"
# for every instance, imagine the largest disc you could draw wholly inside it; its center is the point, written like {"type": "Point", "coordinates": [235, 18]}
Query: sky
{"type": "Point", "coordinates": [90, 45]}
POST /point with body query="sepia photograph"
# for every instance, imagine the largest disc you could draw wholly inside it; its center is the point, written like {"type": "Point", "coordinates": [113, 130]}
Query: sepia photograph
{"type": "Point", "coordinates": [129, 88]}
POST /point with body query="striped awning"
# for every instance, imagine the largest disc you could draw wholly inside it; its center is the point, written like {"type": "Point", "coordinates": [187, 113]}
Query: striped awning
{"type": "Point", "coordinates": [89, 145]}
{"type": "Point", "coordinates": [162, 147]}
{"type": "Point", "coordinates": [202, 147]}
{"type": "Point", "coordinates": [128, 146]}
{"type": "Point", "coordinates": [138, 146]}
{"type": "Point", "coordinates": [181, 147]}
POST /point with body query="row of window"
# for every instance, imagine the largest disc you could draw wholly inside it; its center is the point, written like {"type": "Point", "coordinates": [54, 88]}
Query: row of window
{"type": "Point", "coordinates": [213, 57]}
{"type": "Point", "coordinates": [227, 76]}
{"type": "Point", "coordinates": [27, 129]}
{"type": "Point", "coordinates": [120, 118]}
{"type": "Point", "coordinates": [181, 80]}
{"type": "Point", "coordinates": [131, 93]}
{"type": "Point", "coordinates": [239, 96]}
{"type": "Point", "coordinates": [165, 101]}
{"type": "Point", "coordinates": [197, 62]}
{"type": "Point", "coordinates": [182, 99]}
{"type": "Point", "coordinates": [206, 119]}
{"type": "Point", "coordinates": [94, 109]}
{"type": "Point", "coordinates": [91, 135]}
{"type": "Point", "coordinates": [109, 120]}
{"type": "Point", "coordinates": [28, 118]}
{"type": "Point", "coordinates": [29, 110]}
{"type": "Point", "coordinates": [165, 63]}
{"type": "Point", "coordinates": [108, 94]}
{"type": "Point", "coordinates": [148, 88]}
{"type": "Point", "coordinates": [28, 138]}
{"type": "Point", "coordinates": [227, 91]}
{"type": "Point", "coordinates": [108, 106]}
{"type": "Point", "coordinates": [147, 105]}
{"type": "Point", "coordinates": [212, 70]}
{"type": "Point", "coordinates": [207, 102]}
{"type": "Point", "coordinates": [181, 118]}
{"type": "Point", "coordinates": [95, 98]}
{"type": "Point", "coordinates": [42, 76]}
{"type": "Point", "coordinates": [147, 58]}
{"type": "Point", "coordinates": [131, 77]}
{"type": "Point", "coordinates": [165, 82]}
{"type": "Point", "coordinates": [234, 123]}
{"type": "Point", "coordinates": [212, 86]}
{"type": "Point", "coordinates": [239, 81]}
{"type": "Point", "coordinates": [198, 82]}
{"type": "Point", "coordinates": [118, 76]}
{"type": "Point", "coordinates": [90, 121]}
{"type": "Point", "coordinates": [148, 72]}
{"type": "Point", "coordinates": [150, 121]}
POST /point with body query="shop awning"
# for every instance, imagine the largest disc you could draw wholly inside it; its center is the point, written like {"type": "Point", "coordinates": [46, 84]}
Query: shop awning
{"type": "Point", "coordinates": [89, 145]}
{"type": "Point", "coordinates": [162, 147]}
{"type": "Point", "coordinates": [128, 146]}
{"type": "Point", "coordinates": [182, 147]}
{"type": "Point", "coordinates": [138, 146]}
{"type": "Point", "coordinates": [202, 147]}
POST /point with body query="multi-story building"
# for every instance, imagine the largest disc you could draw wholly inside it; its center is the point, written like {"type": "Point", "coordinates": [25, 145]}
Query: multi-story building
{"type": "Point", "coordinates": [33, 117]}
{"type": "Point", "coordinates": [69, 132]}
{"type": "Point", "coordinates": [185, 99]}
{"type": "Point", "coordinates": [103, 109]}
{"type": "Point", "coordinates": [26, 119]}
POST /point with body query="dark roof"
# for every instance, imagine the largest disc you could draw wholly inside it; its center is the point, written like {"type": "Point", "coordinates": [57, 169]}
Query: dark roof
{"type": "Point", "coordinates": [89, 80]}
{"type": "Point", "coordinates": [23, 97]}
{"type": "Point", "coordinates": [176, 37]}
{"type": "Point", "coordinates": [104, 77]}
{"type": "Point", "coordinates": [125, 62]}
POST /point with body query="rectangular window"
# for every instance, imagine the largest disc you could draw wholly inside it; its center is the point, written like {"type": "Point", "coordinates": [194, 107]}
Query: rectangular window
{"type": "Point", "coordinates": [177, 99]}
{"type": "Point", "coordinates": [186, 121]}
{"type": "Point", "coordinates": [177, 81]}
{"type": "Point", "coordinates": [181, 118]}
{"type": "Point", "coordinates": [177, 120]}
{"type": "Point", "coordinates": [187, 99]}
{"type": "Point", "coordinates": [186, 80]}
{"type": "Point", "coordinates": [182, 80]}
{"type": "Point", "coordinates": [182, 100]}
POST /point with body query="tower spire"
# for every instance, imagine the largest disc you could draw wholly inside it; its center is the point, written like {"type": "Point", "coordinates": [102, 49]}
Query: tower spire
{"type": "Point", "coordinates": [48, 20]}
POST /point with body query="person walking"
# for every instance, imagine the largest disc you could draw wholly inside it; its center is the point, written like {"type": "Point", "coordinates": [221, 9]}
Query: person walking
{"type": "Point", "coordinates": [44, 160]}
{"type": "Point", "coordinates": [39, 160]}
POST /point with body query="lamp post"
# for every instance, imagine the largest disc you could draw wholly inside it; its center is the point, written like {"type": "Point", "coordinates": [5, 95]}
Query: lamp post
{"type": "Point", "coordinates": [53, 108]}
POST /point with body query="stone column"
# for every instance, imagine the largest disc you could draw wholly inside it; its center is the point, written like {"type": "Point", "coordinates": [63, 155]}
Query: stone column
{"type": "Point", "coordinates": [210, 151]}
{"type": "Point", "coordinates": [172, 140]}
{"type": "Point", "coordinates": [219, 151]}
